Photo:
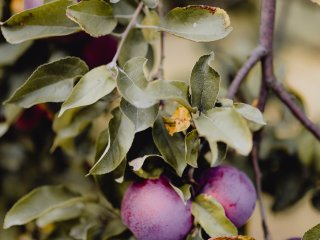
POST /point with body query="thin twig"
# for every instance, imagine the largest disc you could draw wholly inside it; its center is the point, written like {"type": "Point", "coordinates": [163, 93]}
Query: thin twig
{"type": "Point", "coordinates": [287, 99]}
{"type": "Point", "coordinates": [125, 34]}
{"type": "Point", "coordinates": [255, 57]}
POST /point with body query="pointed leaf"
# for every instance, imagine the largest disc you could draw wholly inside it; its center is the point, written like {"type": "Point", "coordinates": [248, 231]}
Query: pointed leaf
{"type": "Point", "coordinates": [211, 216]}
{"type": "Point", "coordinates": [226, 125]}
{"type": "Point", "coordinates": [135, 88]}
{"type": "Point", "coordinates": [95, 17]}
{"type": "Point", "coordinates": [92, 86]}
{"type": "Point", "coordinates": [250, 113]}
{"type": "Point", "coordinates": [38, 202]}
{"type": "Point", "coordinates": [121, 133]}
{"type": "Point", "coordinates": [192, 143]}
{"type": "Point", "coordinates": [204, 84]}
{"type": "Point", "coordinates": [197, 23]}
{"type": "Point", "coordinates": [170, 147]}
{"type": "Point", "coordinates": [142, 118]}
{"type": "Point", "coordinates": [44, 21]}
{"type": "Point", "coordinates": [51, 82]}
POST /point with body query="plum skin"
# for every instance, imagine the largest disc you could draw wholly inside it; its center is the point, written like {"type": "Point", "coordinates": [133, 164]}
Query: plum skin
{"type": "Point", "coordinates": [233, 190]}
{"type": "Point", "coordinates": [152, 210]}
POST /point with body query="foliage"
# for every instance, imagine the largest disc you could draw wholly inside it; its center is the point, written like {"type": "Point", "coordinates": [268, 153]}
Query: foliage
{"type": "Point", "coordinates": [121, 121]}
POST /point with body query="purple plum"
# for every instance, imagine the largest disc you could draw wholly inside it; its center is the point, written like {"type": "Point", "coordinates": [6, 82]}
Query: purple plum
{"type": "Point", "coordinates": [152, 210]}
{"type": "Point", "coordinates": [233, 190]}
{"type": "Point", "coordinates": [32, 3]}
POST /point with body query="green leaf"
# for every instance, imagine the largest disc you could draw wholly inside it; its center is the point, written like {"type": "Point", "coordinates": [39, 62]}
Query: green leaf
{"type": "Point", "coordinates": [135, 88]}
{"type": "Point", "coordinates": [51, 82]}
{"type": "Point", "coordinates": [121, 134]}
{"type": "Point", "coordinates": [95, 17]}
{"type": "Point", "coordinates": [195, 234]}
{"type": "Point", "coordinates": [134, 46]}
{"type": "Point", "coordinates": [192, 143]}
{"type": "Point", "coordinates": [226, 125]}
{"type": "Point", "coordinates": [38, 202]}
{"type": "Point", "coordinates": [92, 86]}
{"type": "Point", "coordinates": [171, 147]}
{"type": "Point", "coordinates": [60, 214]}
{"type": "Point", "coordinates": [198, 23]}
{"type": "Point", "coordinates": [142, 118]}
{"type": "Point", "coordinates": [151, 19]}
{"type": "Point", "coordinates": [151, 3]}
{"type": "Point", "coordinates": [153, 171]}
{"type": "Point", "coordinates": [11, 53]}
{"type": "Point", "coordinates": [217, 154]}
{"type": "Point", "coordinates": [72, 123]}
{"type": "Point", "coordinates": [204, 84]}
{"type": "Point", "coordinates": [211, 216]}
{"type": "Point", "coordinates": [312, 234]}
{"type": "Point", "coordinates": [184, 192]}
{"type": "Point", "coordinates": [11, 113]}
{"type": "Point", "coordinates": [250, 113]}
{"type": "Point", "coordinates": [44, 21]}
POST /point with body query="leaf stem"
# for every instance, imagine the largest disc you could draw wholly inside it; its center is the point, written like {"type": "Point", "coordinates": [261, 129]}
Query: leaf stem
{"type": "Point", "coordinates": [124, 36]}
{"type": "Point", "coordinates": [162, 44]}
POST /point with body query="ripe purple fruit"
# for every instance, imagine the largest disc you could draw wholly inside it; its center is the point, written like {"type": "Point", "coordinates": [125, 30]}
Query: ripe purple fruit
{"type": "Point", "coordinates": [152, 210]}
{"type": "Point", "coordinates": [233, 190]}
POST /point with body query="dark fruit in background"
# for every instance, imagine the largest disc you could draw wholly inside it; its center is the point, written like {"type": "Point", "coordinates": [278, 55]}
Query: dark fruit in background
{"type": "Point", "coordinates": [32, 117]}
{"type": "Point", "coordinates": [233, 190]}
{"type": "Point", "coordinates": [152, 210]}
{"type": "Point", "coordinates": [99, 51]}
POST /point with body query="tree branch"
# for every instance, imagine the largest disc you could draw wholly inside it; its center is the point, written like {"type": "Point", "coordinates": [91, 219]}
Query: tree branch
{"type": "Point", "coordinates": [255, 56]}
{"type": "Point", "coordinates": [125, 34]}
{"type": "Point", "coordinates": [287, 99]}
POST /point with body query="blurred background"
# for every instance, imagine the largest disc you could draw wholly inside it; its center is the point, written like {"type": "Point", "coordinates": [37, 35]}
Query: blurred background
{"type": "Point", "coordinates": [289, 157]}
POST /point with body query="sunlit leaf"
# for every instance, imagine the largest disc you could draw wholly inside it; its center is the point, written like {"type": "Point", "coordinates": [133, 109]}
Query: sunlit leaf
{"type": "Point", "coordinates": [316, 1]}
{"type": "Point", "coordinates": [38, 202]}
{"type": "Point", "coordinates": [211, 216]}
{"type": "Point", "coordinates": [44, 21]}
{"type": "Point", "coordinates": [94, 17]}
{"type": "Point", "coordinates": [142, 118]}
{"type": "Point", "coordinates": [51, 82]}
{"type": "Point", "coordinates": [197, 23]}
{"type": "Point", "coordinates": [179, 121]}
{"type": "Point", "coordinates": [92, 86]}
{"type": "Point", "coordinates": [204, 84]}
{"type": "Point", "coordinates": [121, 134]}
{"type": "Point", "coordinates": [218, 151]}
{"type": "Point", "coordinates": [250, 113]}
{"type": "Point", "coordinates": [171, 147]}
{"type": "Point", "coordinates": [226, 125]}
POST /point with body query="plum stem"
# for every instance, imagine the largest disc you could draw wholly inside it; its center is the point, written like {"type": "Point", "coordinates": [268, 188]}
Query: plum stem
{"type": "Point", "coordinates": [124, 35]}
